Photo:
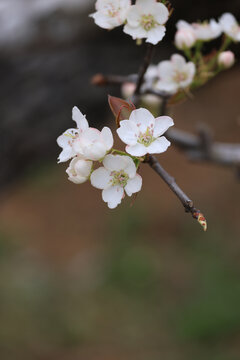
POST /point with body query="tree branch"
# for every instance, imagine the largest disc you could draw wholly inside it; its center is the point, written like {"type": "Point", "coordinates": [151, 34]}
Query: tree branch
{"type": "Point", "coordinates": [146, 62]}
{"type": "Point", "coordinates": [196, 148]}
{"type": "Point", "coordinates": [170, 181]}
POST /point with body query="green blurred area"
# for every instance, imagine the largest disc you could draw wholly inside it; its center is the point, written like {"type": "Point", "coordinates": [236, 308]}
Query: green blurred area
{"type": "Point", "coordinates": [143, 295]}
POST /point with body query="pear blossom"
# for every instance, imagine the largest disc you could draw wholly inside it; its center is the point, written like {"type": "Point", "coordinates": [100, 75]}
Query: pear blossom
{"type": "Point", "coordinates": [175, 74]}
{"type": "Point", "coordinates": [93, 144]}
{"type": "Point", "coordinates": [143, 133]}
{"type": "Point", "coordinates": [230, 26]}
{"type": "Point", "coordinates": [89, 143]}
{"type": "Point", "coordinates": [207, 30]}
{"type": "Point", "coordinates": [79, 170]}
{"type": "Point", "coordinates": [117, 176]}
{"type": "Point", "coordinates": [66, 140]}
{"type": "Point", "coordinates": [185, 38]}
{"type": "Point", "coordinates": [146, 19]}
{"type": "Point", "coordinates": [111, 13]}
{"type": "Point", "coordinates": [226, 59]}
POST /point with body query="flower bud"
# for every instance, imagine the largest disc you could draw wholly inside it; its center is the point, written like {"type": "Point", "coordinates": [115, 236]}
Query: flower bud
{"type": "Point", "coordinates": [79, 170]}
{"type": "Point", "coordinates": [185, 38]}
{"type": "Point", "coordinates": [226, 59]}
{"type": "Point", "coordinates": [128, 89]}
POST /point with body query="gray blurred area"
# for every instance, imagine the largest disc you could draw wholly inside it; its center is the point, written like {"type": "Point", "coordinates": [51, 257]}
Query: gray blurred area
{"type": "Point", "coordinates": [49, 50]}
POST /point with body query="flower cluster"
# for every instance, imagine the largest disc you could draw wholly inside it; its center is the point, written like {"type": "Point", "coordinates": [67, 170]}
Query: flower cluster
{"type": "Point", "coordinates": [170, 76]}
{"type": "Point", "coordinates": [144, 20]}
{"type": "Point", "coordinates": [187, 34]}
{"type": "Point", "coordinates": [142, 134]}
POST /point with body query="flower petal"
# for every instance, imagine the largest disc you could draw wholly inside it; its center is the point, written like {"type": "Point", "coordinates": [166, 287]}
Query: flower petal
{"type": "Point", "coordinates": [101, 178]}
{"type": "Point", "coordinates": [143, 119]}
{"type": "Point", "coordinates": [136, 150]}
{"type": "Point", "coordinates": [94, 151]}
{"type": "Point", "coordinates": [80, 119]}
{"type": "Point", "coordinates": [66, 154]}
{"type": "Point", "coordinates": [134, 185]}
{"type": "Point", "coordinates": [159, 146]}
{"type": "Point", "coordinates": [130, 167]}
{"type": "Point", "coordinates": [128, 132]}
{"type": "Point", "coordinates": [162, 124]}
{"type": "Point", "coordinates": [107, 137]}
{"type": "Point", "coordinates": [156, 34]}
{"type": "Point", "coordinates": [113, 196]}
{"type": "Point", "coordinates": [114, 162]}
{"type": "Point", "coordinates": [135, 32]}
{"type": "Point", "coordinates": [161, 13]}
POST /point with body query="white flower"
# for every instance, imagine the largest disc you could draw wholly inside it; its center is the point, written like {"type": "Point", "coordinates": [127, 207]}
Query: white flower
{"type": "Point", "coordinates": [230, 26]}
{"type": "Point", "coordinates": [204, 31]}
{"type": "Point", "coordinates": [207, 30]}
{"type": "Point", "coordinates": [185, 38]}
{"type": "Point", "coordinates": [79, 170]}
{"type": "Point", "coordinates": [66, 140]}
{"type": "Point", "coordinates": [226, 59]}
{"type": "Point", "coordinates": [142, 133]}
{"type": "Point", "coordinates": [128, 89]}
{"type": "Point", "coordinates": [89, 143]}
{"type": "Point", "coordinates": [146, 19]}
{"type": "Point", "coordinates": [111, 13]}
{"type": "Point", "coordinates": [116, 176]}
{"type": "Point", "coordinates": [175, 74]}
{"type": "Point", "coordinates": [93, 144]}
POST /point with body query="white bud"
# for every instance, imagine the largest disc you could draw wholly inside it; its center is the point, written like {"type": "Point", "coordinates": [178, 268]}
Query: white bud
{"type": "Point", "coordinates": [226, 59]}
{"type": "Point", "coordinates": [128, 89]}
{"type": "Point", "coordinates": [79, 170]}
{"type": "Point", "coordinates": [185, 38]}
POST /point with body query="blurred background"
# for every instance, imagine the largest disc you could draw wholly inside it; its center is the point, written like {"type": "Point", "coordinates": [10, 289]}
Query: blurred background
{"type": "Point", "coordinates": [78, 281]}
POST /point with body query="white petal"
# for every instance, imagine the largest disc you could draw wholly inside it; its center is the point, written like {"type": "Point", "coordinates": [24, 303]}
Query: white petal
{"type": "Point", "coordinates": [156, 34]}
{"type": "Point", "coordinates": [165, 70]}
{"type": "Point", "coordinates": [107, 137]}
{"type": "Point", "coordinates": [134, 185]}
{"type": "Point", "coordinates": [114, 162]}
{"type": "Point", "coordinates": [130, 167]}
{"type": "Point", "coordinates": [68, 135]}
{"type": "Point", "coordinates": [167, 86]}
{"type": "Point", "coordinates": [136, 150]}
{"type": "Point", "coordinates": [159, 146]}
{"type": "Point", "coordinates": [100, 178]}
{"type": "Point", "coordinates": [161, 13]}
{"type": "Point", "coordinates": [94, 151]}
{"type": "Point", "coordinates": [162, 124]}
{"type": "Point", "coordinates": [80, 119]}
{"type": "Point", "coordinates": [66, 154]}
{"type": "Point", "coordinates": [178, 61]}
{"type": "Point", "coordinates": [135, 32]}
{"type": "Point", "coordinates": [133, 16]}
{"type": "Point", "coordinates": [182, 24]}
{"type": "Point", "coordinates": [113, 196]}
{"type": "Point", "coordinates": [89, 136]}
{"type": "Point", "coordinates": [128, 132]}
{"type": "Point", "coordinates": [227, 21]}
{"type": "Point", "coordinates": [146, 6]}
{"type": "Point", "coordinates": [83, 167]}
{"type": "Point", "coordinates": [143, 119]}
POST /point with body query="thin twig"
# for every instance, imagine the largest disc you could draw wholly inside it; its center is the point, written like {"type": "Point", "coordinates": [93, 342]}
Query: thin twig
{"type": "Point", "coordinates": [146, 62]}
{"type": "Point", "coordinates": [170, 181]}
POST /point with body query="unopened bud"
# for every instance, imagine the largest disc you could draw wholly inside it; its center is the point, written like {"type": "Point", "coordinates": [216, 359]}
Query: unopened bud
{"type": "Point", "coordinates": [226, 59]}
{"type": "Point", "coordinates": [185, 38]}
{"type": "Point", "coordinates": [128, 89]}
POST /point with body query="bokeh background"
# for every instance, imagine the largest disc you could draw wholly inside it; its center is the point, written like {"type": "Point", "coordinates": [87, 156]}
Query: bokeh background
{"type": "Point", "coordinates": [78, 281]}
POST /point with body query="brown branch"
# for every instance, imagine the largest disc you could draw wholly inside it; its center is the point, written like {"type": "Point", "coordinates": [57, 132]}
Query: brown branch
{"type": "Point", "coordinates": [170, 181]}
{"type": "Point", "coordinates": [146, 62]}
